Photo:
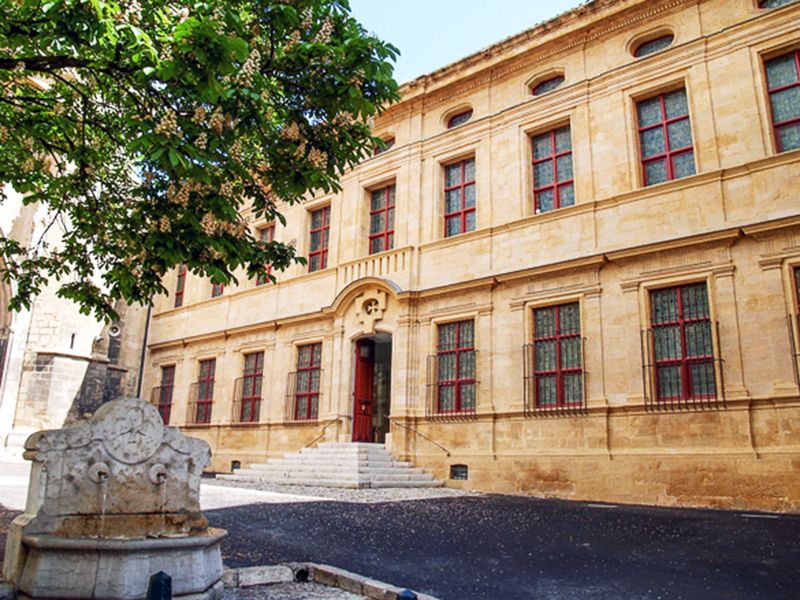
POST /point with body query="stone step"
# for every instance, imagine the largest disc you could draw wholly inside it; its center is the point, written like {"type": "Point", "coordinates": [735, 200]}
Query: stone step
{"type": "Point", "coordinates": [339, 475]}
{"type": "Point", "coordinates": [340, 483]}
{"type": "Point", "coordinates": [347, 464]}
{"type": "Point", "coordinates": [266, 469]}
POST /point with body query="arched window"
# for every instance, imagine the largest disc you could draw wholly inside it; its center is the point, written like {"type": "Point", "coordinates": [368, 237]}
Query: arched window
{"type": "Point", "coordinates": [548, 85]}
{"type": "Point", "coordinates": [652, 46]}
{"type": "Point", "coordinates": [459, 119]}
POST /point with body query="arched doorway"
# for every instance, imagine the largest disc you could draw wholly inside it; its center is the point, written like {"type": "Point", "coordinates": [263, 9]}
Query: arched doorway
{"type": "Point", "coordinates": [372, 388]}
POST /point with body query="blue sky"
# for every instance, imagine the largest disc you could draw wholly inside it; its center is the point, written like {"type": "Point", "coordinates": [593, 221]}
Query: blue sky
{"type": "Point", "coordinates": [433, 33]}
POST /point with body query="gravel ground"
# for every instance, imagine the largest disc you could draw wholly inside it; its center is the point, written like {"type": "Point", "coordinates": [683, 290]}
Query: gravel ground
{"type": "Point", "coordinates": [290, 591]}
{"type": "Point", "coordinates": [366, 496]}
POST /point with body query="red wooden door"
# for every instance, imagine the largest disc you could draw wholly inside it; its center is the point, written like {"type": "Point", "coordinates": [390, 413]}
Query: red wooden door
{"type": "Point", "coordinates": [364, 404]}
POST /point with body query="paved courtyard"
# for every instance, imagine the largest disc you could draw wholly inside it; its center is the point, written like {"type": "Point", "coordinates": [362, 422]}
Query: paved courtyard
{"type": "Point", "coordinates": [503, 547]}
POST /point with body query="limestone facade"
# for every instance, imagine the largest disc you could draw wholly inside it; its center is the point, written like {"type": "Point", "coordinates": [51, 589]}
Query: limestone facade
{"type": "Point", "coordinates": [671, 374]}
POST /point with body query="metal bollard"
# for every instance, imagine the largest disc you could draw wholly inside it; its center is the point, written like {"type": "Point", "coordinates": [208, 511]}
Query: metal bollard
{"type": "Point", "coordinates": [160, 587]}
{"type": "Point", "coordinates": [406, 595]}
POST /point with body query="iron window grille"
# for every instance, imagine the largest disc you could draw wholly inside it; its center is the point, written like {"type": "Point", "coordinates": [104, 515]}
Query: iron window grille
{"type": "Point", "coordinates": [459, 197]}
{"type": "Point", "coordinates": [320, 233]}
{"type": "Point", "coordinates": [161, 396]}
{"type": "Point", "coordinates": [201, 394]}
{"type": "Point", "coordinates": [266, 235]}
{"type": "Point", "coordinates": [459, 119]}
{"type": "Point", "coordinates": [553, 365]}
{"type": "Point", "coordinates": [665, 137]}
{"type": "Point", "coordinates": [547, 85]}
{"type": "Point", "coordinates": [783, 85]}
{"type": "Point", "coordinates": [451, 373]}
{"type": "Point", "coordinates": [553, 185]}
{"type": "Point", "coordinates": [653, 46]}
{"type": "Point", "coordinates": [180, 284]}
{"type": "Point", "coordinates": [681, 364]}
{"type": "Point", "coordinates": [217, 289]}
{"type": "Point", "coordinates": [381, 219]}
{"type": "Point", "coordinates": [247, 390]}
{"type": "Point", "coordinates": [303, 385]}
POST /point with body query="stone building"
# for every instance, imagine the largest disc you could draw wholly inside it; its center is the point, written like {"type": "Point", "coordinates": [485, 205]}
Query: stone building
{"type": "Point", "coordinates": [571, 271]}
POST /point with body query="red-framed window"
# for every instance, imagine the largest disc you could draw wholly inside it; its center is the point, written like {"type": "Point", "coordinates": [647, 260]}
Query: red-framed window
{"type": "Point", "coordinates": [320, 233]}
{"type": "Point", "coordinates": [459, 119]}
{"type": "Point", "coordinates": [783, 83]}
{"type": "Point", "coordinates": [165, 392]}
{"type": "Point", "coordinates": [455, 356]}
{"type": "Point", "coordinates": [266, 235]}
{"type": "Point", "coordinates": [652, 46]}
{"type": "Point", "coordinates": [381, 219]}
{"type": "Point", "coordinates": [459, 197]}
{"type": "Point", "coordinates": [309, 368]}
{"type": "Point", "coordinates": [774, 3]}
{"type": "Point", "coordinates": [665, 137]}
{"type": "Point", "coordinates": [683, 348]}
{"type": "Point", "coordinates": [252, 379]}
{"type": "Point", "coordinates": [217, 289]}
{"type": "Point", "coordinates": [205, 390]}
{"type": "Point", "coordinates": [553, 185]}
{"type": "Point", "coordinates": [180, 284]}
{"type": "Point", "coordinates": [548, 85]}
{"type": "Point", "coordinates": [558, 356]}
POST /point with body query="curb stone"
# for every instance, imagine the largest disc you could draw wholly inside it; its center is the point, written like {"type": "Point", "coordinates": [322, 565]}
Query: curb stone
{"type": "Point", "coordinates": [322, 574]}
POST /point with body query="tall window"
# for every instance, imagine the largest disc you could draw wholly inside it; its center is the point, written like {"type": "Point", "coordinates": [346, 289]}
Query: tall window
{"type": "Point", "coordinates": [217, 289]}
{"type": "Point", "coordinates": [783, 82]}
{"type": "Point", "coordinates": [665, 137]}
{"type": "Point", "coordinates": [459, 197]}
{"type": "Point", "coordinates": [309, 361]}
{"type": "Point", "coordinates": [682, 343]}
{"type": "Point", "coordinates": [381, 219]}
{"type": "Point", "coordinates": [164, 392]}
{"type": "Point", "coordinates": [205, 391]}
{"type": "Point", "coordinates": [180, 284]}
{"type": "Point", "coordinates": [558, 356]}
{"type": "Point", "coordinates": [552, 170]}
{"type": "Point", "coordinates": [251, 387]}
{"type": "Point", "coordinates": [320, 230]}
{"type": "Point", "coordinates": [266, 235]}
{"type": "Point", "coordinates": [456, 367]}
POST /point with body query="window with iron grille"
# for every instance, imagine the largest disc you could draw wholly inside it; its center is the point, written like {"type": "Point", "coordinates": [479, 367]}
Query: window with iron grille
{"type": "Point", "coordinates": [309, 363]}
{"type": "Point", "coordinates": [455, 358]}
{"type": "Point", "coordinates": [320, 231]}
{"type": "Point", "coordinates": [774, 3]}
{"type": "Point", "coordinates": [180, 284]}
{"type": "Point", "coordinates": [381, 219]}
{"type": "Point", "coordinates": [217, 289]}
{"type": "Point", "coordinates": [682, 343]}
{"type": "Point", "coordinates": [459, 197]}
{"type": "Point", "coordinates": [205, 391]}
{"type": "Point", "coordinates": [459, 119]}
{"type": "Point", "coordinates": [266, 235]}
{"type": "Point", "coordinates": [547, 85]}
{"type": "Point", "coordinates": [554, 365]}
{"type": "Point", "coordinates": [249, 403]}
{"type": "Point", "coordinates": [163, 393]}
{"type": "Point", "coordinates": [783, 83]}
{"type": "Point", "coordinates": [552, 170]}
{"type": "Point", "coordinates": [653, 46]}
{"type": "Point", "coordinates": [665, 137]}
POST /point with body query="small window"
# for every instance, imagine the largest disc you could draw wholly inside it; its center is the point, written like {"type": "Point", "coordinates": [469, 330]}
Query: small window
{"type": "Point", "coordinates": [387, 145]}
{"type": "Point", "coordinates": [459, 119]}
{"type": "Point", "coordinates": [774, 3]}
{"type": "Point", "coordinates": [652, 46]}
{"type": "Point", "coordinates": [217, 289]}
{"type": "Point", "coordinates": [459, 472]}
{"type": "Point", "coordinates": [783, 85]}
{"type": "Point", "coordinates": [547, 85]}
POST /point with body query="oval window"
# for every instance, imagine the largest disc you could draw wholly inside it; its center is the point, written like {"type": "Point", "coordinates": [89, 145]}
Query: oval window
{"type": "Point", "coordinates": [548, 85]}
{"type": "Point", "coordinates": [653, 46]}
{"type": "Point", "coordinates": [459, 119]}
{"type": "Point", "coordinates": [387, 145]}
{"type": "Point", "coordinates": [773, 3]}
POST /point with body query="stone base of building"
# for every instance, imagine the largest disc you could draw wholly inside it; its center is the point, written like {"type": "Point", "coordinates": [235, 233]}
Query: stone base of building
{"type": "Point", "coordinates": [57, 567]}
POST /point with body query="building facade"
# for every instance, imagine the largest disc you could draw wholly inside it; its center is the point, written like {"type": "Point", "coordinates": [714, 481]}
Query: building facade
{"type": "Point", "coordinates": [572, 270]}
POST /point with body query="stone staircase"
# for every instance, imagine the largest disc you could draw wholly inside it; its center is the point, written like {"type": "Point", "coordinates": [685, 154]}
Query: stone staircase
{"type": "Point", "coordinates": [338, 464]}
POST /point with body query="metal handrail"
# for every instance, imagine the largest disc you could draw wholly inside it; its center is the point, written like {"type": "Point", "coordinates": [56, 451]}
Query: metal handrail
{"type": "Point", "coordinates": [422, 435]}
{"type": "Point", "coordinates": [322, 433]}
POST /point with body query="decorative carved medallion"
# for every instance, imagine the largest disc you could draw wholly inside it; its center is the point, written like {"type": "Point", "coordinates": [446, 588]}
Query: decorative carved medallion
{"type": "Point", "coordinates": [369, 308]}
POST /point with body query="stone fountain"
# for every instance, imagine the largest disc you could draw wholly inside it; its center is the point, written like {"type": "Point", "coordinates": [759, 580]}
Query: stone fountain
{"type": "Point", "coordinates": [111, 502]}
